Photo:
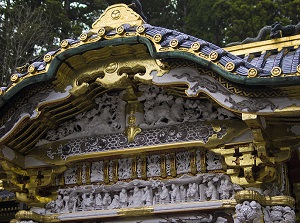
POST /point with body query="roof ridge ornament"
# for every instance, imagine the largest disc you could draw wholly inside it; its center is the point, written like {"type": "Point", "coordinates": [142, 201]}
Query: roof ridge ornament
{"type": "Point", "coordinates": [115, 16]}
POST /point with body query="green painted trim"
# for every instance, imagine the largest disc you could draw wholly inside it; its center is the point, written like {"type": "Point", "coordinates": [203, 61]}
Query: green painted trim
{"type": "Point", "coordinates": [60, 58]}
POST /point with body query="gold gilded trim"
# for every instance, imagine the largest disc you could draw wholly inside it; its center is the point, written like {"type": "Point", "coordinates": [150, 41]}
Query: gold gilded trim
{"type": "Point", "coordinates": [261, 46]}
{"type": "Point", "coordinates": [135, 212]}
{"type": "Point", "coordinates": [29, 215]}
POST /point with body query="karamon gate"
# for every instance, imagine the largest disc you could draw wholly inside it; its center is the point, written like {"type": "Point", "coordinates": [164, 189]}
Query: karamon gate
{"type": "Point", "coordinates": [137, 123]}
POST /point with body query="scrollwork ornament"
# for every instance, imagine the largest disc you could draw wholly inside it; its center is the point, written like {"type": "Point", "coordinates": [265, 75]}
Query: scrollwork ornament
{"type": "Point", "coordinates": [252, 72]}
{"type": "Point", "coordinates": [31, 69]}
{"type": "Point", "coordinates": [298, 68]}
{"type": "Point", "coordinates": [120, 30]}
{"type": "Point", "coordinates": [230, 66]}
{"type": "Point", "coordinates": [64, 43]}
{"type": "Point", "coordinates": [157, 38]}
{"type": "Point", "coordinates": [47, 58]}
{"type": "Point", "coordinates": [83, 37]}
{"type": "Point", "coordinates": [213, 56]}
{"type": "Point", "coordinates": [140, 29]}
{"type": "Point", "coordinates": [195, 46]}
{"type": "Point", "coordinates": [174, 43]}
{"type": "Point", "coordinates": [14, 77]}
{"type": "Point", "coordinates": [101, 31]}
{"type": "Point", "coordinates": [276, 71]}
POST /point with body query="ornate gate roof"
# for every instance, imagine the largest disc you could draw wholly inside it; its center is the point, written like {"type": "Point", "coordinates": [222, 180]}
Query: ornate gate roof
{"type": "Point", "coordinates": [129, 89]}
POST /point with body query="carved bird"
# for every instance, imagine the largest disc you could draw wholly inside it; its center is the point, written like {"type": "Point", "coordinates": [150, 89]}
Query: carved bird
{"type": "Point", "coordinates": [134, 4]}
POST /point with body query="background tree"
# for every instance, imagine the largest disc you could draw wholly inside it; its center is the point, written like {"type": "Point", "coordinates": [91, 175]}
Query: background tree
{"type": "Point", "coordinates": [28, 28]}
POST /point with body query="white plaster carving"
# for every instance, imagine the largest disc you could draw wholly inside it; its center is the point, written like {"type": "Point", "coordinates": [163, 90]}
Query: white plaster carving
{"type": "Point", "coordinates": [124, 168]}
{"type": "Point", "coordinates": [248, 212]}
{"type": "Point", "coordinates": [198, 160]}
{"type": "Point", "coordinates": [139, 167]}
{"type": "Point", "coordinates": [83, 173]}
{"type": "Point", "coordinates": [107, 117]}
{"type": "Point", "coordinates": [70, 175]}
{"type": "Point", "coordinates": [168, 164]}
{"type": "Point", "coordinates": [277, 214]}
{"type": "Point", "coordinates": [183, 164]}
{"type": "Point", "coordinates": [162, 109]}
{"type": "Point", "coordinates": [111, 170]}
{"type": "Point", "coordinates": [213, 161]}
{"type": "Point", "coordinates": [97, 172]}
{"type": "Point", "coordinates": [139, 193]}
{"type": "Point", "coordinates": [153, 166]}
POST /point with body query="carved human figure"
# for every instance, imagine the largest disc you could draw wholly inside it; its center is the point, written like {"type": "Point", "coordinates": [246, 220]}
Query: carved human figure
{"type": "Point", "coordinates": [225, 189]}
{"type": "Point", "coordinates": [87, 201]}
{"type": "Point", "coordinates": [73, 201]}
{"type": "Point", "coordinates": [136, 199]}
{"type": "Point", "coordinates": [164, 195]}
{"type": "Point", "coordinates": [59, 204]}
{"type": "Point", "coordinates": [192, 192]}
{"type": "Point", "coordinates": [211, 191]}
{"type": "Point", "coordinates": [175, 194]}
{"type": "Point", "coordinates": [182, 193]}
{"type": "Point", "coordinates": [123, 198]}
{"type": "Point", "coordinates": [147, 196]}
{"type": "Point", "coordinates": [115, 203]}
{"type": "Point", "coordinates": [98, 201]}
{"type": "Point", "coordinates": [202, 189]}
{"type": "Point", "coordinates": [106, 200]}
{"type": "Point", "coordinates": [66, 202]}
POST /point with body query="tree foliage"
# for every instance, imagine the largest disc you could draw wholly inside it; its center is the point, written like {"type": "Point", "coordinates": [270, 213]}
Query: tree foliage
{"type": "Point", "coordinates": [28, 28]}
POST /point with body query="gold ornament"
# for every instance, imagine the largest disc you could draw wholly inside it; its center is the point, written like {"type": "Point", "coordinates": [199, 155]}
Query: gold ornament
{"type": "Point", "coordinates": [101, 31]}
{"type": "Point", "coordinates": [174, 43]}
{"type": "Point", "coordinates": [157, 38]}
{"type": "Point", "coordinates": [229, 66]}
{"type": "Point", "coordinates": [140, 29]}
{"type": "Point", "coordinates": [116, 14]}
{"type": "Point", "coordinates": [14, 78]}
{"type": "Point", "coordinates": [47, 58]}
{"type": "Point", "coordinates": [120, 30]}
{"type": "Point", "coordinates": [31, 69]}
{"type": "Point", "coordinates": [64, 43]}
{"type": "Point", "coordinates": [112, 67]}
{"type": "Point", "coordinates": [83, 37]}
{"type": "Point", "coordinates": [252, 72]}
{"type": "Point", "coordinates": [298, 68]}
{"type": "Point", "coordinates": [195, 46]}
{"type": "Point", "coordinates": [213, 55]}
{"type": "Point", "coordinates": [276, 71]}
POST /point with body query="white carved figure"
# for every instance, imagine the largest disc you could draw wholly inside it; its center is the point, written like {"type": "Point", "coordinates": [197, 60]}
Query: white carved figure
{"type": "Point", "coordinates": [183, 196]}
{"type": "Point", "coordinates": [73, 200]}
{"type": "Point", "coordinates": [115, 203]}
{"type": "Point", "coordinates": [248, 212]}
{"type": "Point", "coordinates": [66, 199]}
{"type": "Point", "coordinates": [136, 199]}
{"type": "Point", "coordinates": [175, 194]}
{"type": "Point", "coordinates": [192, 192]}
{"type": "Point", "coordinates": [107, 118]}
{"type": "Point", "coordinates": [161, 108]}
{"type": "Point", "coordinates": [88, 202]}
{"type": "Point", "coordinates": [225, 189]}
{"type": "Point", "coordinates": [59, 204]}
{"type": "Point", "coordinates": [106, 200]}
{"type": "Point", "coordinates": [147, 196]}
{"type": "Point", "coordinates": [98, 201]}
{"type": "Point", "coordinates": [164, 195]}
{"type": "Point", "coordinates": [123, 198]}
{"type": "Point", "coordinates": [211, 191]}
{"type": "Point", "coordinates": [202, 190]}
